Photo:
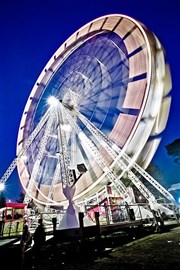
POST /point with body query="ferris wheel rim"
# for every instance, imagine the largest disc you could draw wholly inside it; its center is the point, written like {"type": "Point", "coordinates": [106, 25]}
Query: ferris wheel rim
{"type": "Point", "coordinates": [47, 73]}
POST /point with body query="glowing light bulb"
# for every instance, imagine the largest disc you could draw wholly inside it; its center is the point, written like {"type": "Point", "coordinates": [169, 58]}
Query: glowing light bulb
{"type": "Point", "coordinates": [52, 101]}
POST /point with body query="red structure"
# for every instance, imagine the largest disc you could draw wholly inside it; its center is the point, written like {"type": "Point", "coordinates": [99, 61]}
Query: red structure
{"type": "Point", "coordinates": [12, 220]}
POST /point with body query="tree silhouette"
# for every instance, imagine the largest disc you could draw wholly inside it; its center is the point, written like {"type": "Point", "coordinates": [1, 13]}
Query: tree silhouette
{"type": "Point", "coordinates": [21, 197]}
{"type": "Point", "coordinates": [158, 175]}
{"type": "Point", "coordinates": [2, 199]}
{"type": "Point", "coordinates": [173, 150]}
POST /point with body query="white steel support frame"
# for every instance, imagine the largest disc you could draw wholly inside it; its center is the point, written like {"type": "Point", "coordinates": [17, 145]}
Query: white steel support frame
{"type": "Point", "coordinates": [64, 157]}
{"type": "Point", "coordinates": [62, 115]}
{"type": "Point", "coordinates": [130, 163]}
{"type": "Point", "coordinates": [54, 181]}
{"type": "Point", "coordinates": [64, 161]}
{"type": "Point", "coordinates": [73, 149]}
{"type": "Point", "coordinates": [63, 165]}
{"type": "Point", "coordinates": [27, 143]}
{"type": "Point", "coordinates": [88, 144]}
{"type": "Point", "coordinates": [41, 151]}
{"type": "Point", "coordinates": [107, 144]}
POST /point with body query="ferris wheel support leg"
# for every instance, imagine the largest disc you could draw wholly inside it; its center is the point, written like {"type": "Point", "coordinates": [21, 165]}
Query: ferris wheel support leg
{"type": "Point", "coordinates": [70, 218]}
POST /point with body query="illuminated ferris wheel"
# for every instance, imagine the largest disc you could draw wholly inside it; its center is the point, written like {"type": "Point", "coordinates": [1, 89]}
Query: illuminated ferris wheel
{"type": "Point", "coordinates": [97, 109]}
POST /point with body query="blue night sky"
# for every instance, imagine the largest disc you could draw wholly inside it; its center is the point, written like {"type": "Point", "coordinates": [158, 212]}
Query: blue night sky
{"type": "Point", "coordinates": [31, 31]}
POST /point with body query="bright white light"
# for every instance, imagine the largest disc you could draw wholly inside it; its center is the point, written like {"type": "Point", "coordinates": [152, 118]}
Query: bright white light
{"type": "Point", "coordinates": [115, 147]}
{"type": "Point", "coordinates": [178, 200]}
{"type": "Point", "coordinates": [52, 101]}
{"type": "Point", "coordinates": [2, 186]}
{"type": "Point", "coordinates": [66, 127]}
{"type": "Point", "coordinates": [24, 158]}
{"type": "Point", "coordinates": [106, 169]}
{"type": "Point", "coordinates": [81, 136]}
{"type": "Point", "coordinates": [103, 144]}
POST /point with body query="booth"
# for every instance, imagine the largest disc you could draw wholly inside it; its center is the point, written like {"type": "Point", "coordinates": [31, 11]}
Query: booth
{"type": "Point", "coordinates": [12, 219]}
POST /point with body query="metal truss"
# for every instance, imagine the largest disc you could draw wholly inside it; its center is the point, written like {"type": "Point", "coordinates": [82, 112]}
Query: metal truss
{"type": "Point", "coordinates": [125, 163]}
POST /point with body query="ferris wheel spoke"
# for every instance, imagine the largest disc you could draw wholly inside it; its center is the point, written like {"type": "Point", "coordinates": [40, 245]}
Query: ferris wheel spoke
{"type": "Point", "coordinates": [126, 167]}
{"type": "Point", "coordinates": [64, 154]}
{"type": "Point", "coordinates": [107, 144]}
{"type": "Point", "coordinates": [54, 182]}
{"type": "Point", "coordinates": [93, 150]}
{"type": "Point", "coordinates": [36, 168]}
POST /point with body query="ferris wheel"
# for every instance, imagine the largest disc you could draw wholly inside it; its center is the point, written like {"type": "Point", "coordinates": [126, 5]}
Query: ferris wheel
{"type": "Point", "coordinates": [98, 107]}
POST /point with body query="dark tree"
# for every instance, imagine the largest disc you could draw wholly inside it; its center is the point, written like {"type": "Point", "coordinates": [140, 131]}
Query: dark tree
{"type": "Point", "coordinates": [157, 174]}
{"type": "Point", "coordinates": [173, 150]}
{"type": "Point", "coordinates": [21, 197]}
{"type": "Point", "coordinates": [2, 199]}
